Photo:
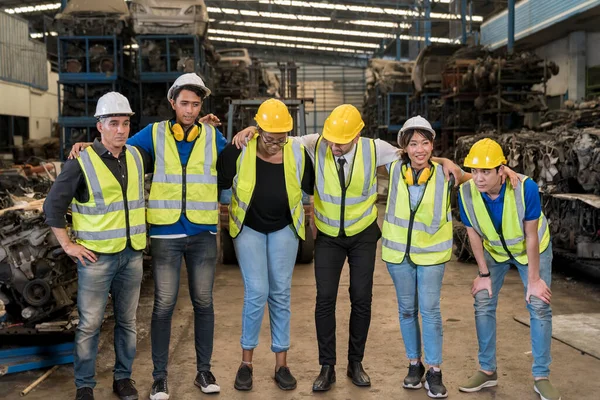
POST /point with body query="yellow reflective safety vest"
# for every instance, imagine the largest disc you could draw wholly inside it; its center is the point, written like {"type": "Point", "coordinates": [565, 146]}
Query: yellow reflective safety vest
{"type": "Point", "coordinates": [425, 234]}
{"type": "Point", "coordinates": [510, 242]}
{"type": "Point", "coordinates": [190, 188]}
{"type": "Point", "coordinates": [105, 222]}
{"type": "Point", "coordinates": [245, 181]}
{"type": "Point", "coordinates": [361, 191]}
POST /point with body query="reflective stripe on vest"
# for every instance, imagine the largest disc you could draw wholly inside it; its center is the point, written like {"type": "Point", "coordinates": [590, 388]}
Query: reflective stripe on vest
{"type": "Point", "coordinates": [361, 193]}
{"type": "Point", "coordinates": [430, 240]}
{"type": "Point", "coordinates": [174, 190]}
{"type": "Point", "coordinates": [513, 216]}
{"type": "Point", "coordinates": [244, 183]}
{"type": "Point", "coordinates": [100, 224]}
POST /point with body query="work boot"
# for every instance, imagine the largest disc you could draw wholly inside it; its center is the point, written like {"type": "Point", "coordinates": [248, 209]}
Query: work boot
{"type": "Point", "coordinates": [357, 374]}
{"type": "Point", "coordinates": [434, 385]}
{"type": "Point", "coordinates": [85, 393]}
{"type": "Point", "coordinates": [207, 382]}
{"type": "Point", "coordinates": [544, 388]}
{"type": "Point", "coordinates": [160, 390]}
{"type": "Point", "coordinates": [284, 378]}
{"type": "Point", "coordinates": [243, 378]}
{"type": "Point", "coordinates": [124, 389]}
{"type": "Point", "coordinates": [325, 379]}
{"type": "Point", "coordinates": [414, 376]}
{"type": "Point", "coordinates": [479, 381]}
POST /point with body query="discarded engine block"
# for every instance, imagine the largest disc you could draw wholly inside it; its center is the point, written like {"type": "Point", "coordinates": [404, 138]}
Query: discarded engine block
{"type": "Point", "coordinates": [38, 281]}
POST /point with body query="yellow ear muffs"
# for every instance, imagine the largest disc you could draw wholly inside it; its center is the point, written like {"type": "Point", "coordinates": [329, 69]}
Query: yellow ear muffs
{"type": "Point", "coordinates": [421, 177]}
{"type": "Point", "coordinates": [193, 133]}
{"type": "Point", "coordinates": [179, 134]}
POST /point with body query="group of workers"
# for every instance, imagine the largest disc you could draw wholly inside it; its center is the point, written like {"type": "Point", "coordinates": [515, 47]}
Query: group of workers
{"type": "Point", "coordinates": [268, 172]}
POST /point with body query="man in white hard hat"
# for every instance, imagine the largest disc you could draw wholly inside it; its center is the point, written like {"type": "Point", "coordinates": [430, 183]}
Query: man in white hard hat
{"type": "Point", "coordinates": [183, 215]}
{"type": "Point", "coordinates": [105, 189]}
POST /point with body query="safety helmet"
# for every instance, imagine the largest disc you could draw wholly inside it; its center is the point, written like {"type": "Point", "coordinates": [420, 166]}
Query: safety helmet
{"type": "Point", "coordinates": [273, 117]}
{"type": "Point", "coordinates": [485, 154]}
{"type": "Point", "coordinates": [343, 124]}
{"type": "Point", "coordinates": [191, 79]}
{"type": "Point", "coordinates": [112, 103]}
{"type": "Point", "coordinates": [413, 123]}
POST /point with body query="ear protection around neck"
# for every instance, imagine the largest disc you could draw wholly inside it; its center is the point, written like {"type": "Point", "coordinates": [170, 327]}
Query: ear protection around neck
{"type": "Point", "coordinates": [411, 176]}
{"type": "Point", "coordinates": [179, 133]}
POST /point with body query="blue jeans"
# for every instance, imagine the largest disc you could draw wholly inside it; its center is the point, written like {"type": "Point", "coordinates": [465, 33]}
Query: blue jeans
{"type": "Point", "coordinates": [121, 275]}
{"type": "Point", "coordinates": [540, 315]}
{"type": "Point", "coordinates": [267, 263]}
{"type": "Point", "coordinates": [200, 255]}
{"type": "Point", "coordinates": [418, 288]}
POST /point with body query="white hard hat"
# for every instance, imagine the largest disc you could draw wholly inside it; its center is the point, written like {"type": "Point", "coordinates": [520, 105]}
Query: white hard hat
{"type": "Point", "coordinates": [191, 79]}
{"type": "Point", "coordinates": [113, 103]}
{"type": "Point", "coordinates": [417, 122]}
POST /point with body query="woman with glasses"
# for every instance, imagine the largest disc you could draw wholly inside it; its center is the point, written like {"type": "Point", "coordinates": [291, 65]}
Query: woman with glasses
{"type": "Point", "coordinates": [266, 220]}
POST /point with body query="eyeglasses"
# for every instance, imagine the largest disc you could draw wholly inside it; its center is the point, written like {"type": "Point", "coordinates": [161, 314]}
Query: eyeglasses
{"type": "Point", "coordinates": [271, 142]}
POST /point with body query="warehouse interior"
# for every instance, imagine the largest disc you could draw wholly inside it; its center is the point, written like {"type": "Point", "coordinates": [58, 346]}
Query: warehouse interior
{"type": "Point", "coordinates": [524, 73]}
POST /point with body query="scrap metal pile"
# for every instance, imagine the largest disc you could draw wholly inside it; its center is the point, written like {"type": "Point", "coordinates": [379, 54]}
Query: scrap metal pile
{"type": "Point", "coordinates": [562, 160]}
{"type": "Point", "coordinates": [21, 184]}
{"type": "Point", "coordinates": [38, 281]}
{"type": "Point", "coordinates": [383, 77]}
{"type": "Point", "coordinates": [565, 162]}
{"type": "Point", "coordinates": [584, 114]}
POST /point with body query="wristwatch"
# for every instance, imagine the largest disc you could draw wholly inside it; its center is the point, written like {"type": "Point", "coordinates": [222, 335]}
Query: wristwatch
{"type": "Point", "coordinates": [482, 275]}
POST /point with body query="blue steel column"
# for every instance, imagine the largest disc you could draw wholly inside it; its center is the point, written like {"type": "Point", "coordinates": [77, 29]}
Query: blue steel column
{"type": "Point", "coordinates": [427, 5]}
{"type": "Point", "coordinates": [63, 4]}
{"type": "Point", "coordinates": [511, 26]}
{"type": "Point", "coordinates": [463, 18]}
{"type": "Point", "coordinates": [398, 48]}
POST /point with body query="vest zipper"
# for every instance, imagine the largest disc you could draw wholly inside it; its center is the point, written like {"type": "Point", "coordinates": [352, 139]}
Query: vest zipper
{"type": "Point", "coordinates": [498, 232]}
{"type": "Point", "coordinates": [126, 207]}
{"type": "Point", "coordinates": [413, 214]}
{"type": "Point", "coordinates": [184, 183]}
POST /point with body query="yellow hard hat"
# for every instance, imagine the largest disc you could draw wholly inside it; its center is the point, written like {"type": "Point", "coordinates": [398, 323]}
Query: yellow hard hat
{"type": "Point", "coordinates": [485, 154]}
{"type": "Point", "coordinates": [273, 117]}
{"type": "Point", "coordinates": [343, 124]}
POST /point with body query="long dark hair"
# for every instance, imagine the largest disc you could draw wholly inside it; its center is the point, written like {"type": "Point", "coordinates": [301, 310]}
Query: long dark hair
{"type": "Point", "coordinates": [407, 136]}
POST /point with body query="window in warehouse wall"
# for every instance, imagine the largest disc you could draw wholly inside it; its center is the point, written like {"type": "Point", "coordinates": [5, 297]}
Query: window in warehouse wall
{"type": "Point", "coordinates": [13, 131]}
{"type": "Point", "coordinates": [329, 86]}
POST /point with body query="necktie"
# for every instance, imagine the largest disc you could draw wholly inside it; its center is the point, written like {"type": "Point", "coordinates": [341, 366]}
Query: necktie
{"type": "Point", "coordinates": [342, 176]}
{"type": "Point", "coordinates": [341, 173]}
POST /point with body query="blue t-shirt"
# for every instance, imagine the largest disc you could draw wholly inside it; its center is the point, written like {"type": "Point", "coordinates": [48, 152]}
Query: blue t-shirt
{"type": "Point", "coordinates": [143, 139]}
{"type": "Point", "coordinates": [533, 207]}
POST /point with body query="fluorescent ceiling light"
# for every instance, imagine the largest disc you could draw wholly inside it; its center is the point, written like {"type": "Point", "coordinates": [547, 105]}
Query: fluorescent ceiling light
{"type": "Point", "coordinates": [343, 32]}
{"type": "Point", "coordinates": [380, 24]}
{"type": "Point", "coordinates": [30, 9]}
{"type": "Point", "coordinates": [233, 11]}
{"type": "Point", "coordinates": [367, 9]}
{"type": "Point", "coordinates": [289, 45]}
{"type": "Point", "coordinates": [41, 35]}
{"type": "Point", "coordinates": [257, 35]}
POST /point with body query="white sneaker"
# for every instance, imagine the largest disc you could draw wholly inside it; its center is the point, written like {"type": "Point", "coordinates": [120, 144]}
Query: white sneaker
{"type": "Point", "coordinates": [160, 390]}
{"type": "Point", "coordinates": [206, 381]}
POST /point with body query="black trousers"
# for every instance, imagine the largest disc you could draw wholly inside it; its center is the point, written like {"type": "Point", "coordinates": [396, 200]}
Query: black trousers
{"type": "Point", "coordinates": [330, 256]}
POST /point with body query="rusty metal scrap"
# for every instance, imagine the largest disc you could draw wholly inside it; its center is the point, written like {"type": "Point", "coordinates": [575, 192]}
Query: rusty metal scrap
{"type": "Point", "coordinates": [562, 160]}
{"type": "Point", "coordinates": [38, 281]}
{"type": "Point", "coordinates": [584, 114]}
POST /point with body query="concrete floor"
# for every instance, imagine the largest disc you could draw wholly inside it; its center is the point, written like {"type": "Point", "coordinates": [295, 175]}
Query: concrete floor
{"type": "Point", "coordinates": [576, 375]}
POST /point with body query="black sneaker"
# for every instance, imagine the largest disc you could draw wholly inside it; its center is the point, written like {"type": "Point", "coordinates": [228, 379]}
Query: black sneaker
{"type": "Point", "coordinates": [284, 378]}
{"type": "Point", "coordinates": [434, 385]}
{"type": "Point", "coordinates": [243, 378]}
{"type": "Point", "coordinates": [206, 381]}
{"type": "Point", "coordinates": [160, 390]}
{"type": "Point", "coordinates": [85, 393]}
{"type": "Point", "coordinates": [414, 377]}
{"type": "Point", "coordinates": [125, 390]}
